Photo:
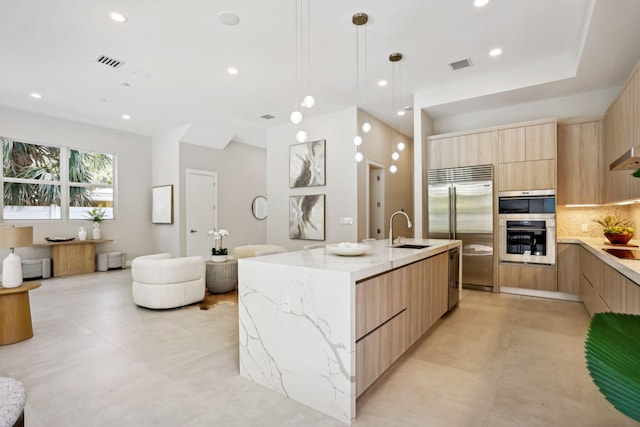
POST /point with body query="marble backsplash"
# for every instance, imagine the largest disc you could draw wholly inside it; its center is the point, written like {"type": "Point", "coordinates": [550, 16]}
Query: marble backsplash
{"type": "Point", "coordinates": [569, 220]}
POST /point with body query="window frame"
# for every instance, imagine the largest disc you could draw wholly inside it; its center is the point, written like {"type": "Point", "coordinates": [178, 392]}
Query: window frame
{"type": "Point", "coordinates": [64, 183]}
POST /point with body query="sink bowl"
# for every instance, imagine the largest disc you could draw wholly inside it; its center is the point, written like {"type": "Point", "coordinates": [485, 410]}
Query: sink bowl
{"type": "Point", "coordinates": [411, 246]}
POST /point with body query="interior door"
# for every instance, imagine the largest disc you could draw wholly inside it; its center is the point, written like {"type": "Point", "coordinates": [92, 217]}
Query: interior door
{"type": "Point", "coordinates": [376, 202]}
{"type": "Point", "coordinates": [202, 213]}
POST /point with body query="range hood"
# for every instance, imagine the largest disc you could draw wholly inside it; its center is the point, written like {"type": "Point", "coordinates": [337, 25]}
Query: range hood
{"type": "Point", "coordinates": [630, 160]}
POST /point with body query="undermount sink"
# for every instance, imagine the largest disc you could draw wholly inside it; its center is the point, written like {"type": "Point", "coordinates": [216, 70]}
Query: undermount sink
{"type": "Point", "coordinates": [411, 246]}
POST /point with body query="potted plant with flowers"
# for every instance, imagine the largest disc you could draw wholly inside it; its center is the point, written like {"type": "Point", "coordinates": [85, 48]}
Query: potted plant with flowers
{"type": "Point", "coordinates": [616, 229]}
{"type": "Point", "coordinates": [218, 253]}
{"type": "Point", "coordinates": [96, 215]}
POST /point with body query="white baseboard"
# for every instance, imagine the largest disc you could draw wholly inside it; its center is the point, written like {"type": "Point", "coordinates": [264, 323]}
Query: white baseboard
{"type": "Point", "coordinates": [541, 294]}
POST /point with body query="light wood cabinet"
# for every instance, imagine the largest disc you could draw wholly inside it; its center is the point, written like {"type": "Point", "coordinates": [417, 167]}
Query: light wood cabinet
{"type": "Point", "coordinates": [579, 165]}
{"type": "Point", "coordinates": [527, 157]}
{"type": "Point", "coordinates": [527, 276]}
{"type": "Point", "coordinates": [378, 350]}
{"type": "Point", "coordinates": [393, 310]}
{"type": "Point", "coordinates": [621, 132]}
{"type": "Point", "coordinates": [602, 288]}
{"type": "Point", "coordinates": [568, 263]}
{"type": "Point", "coordinates": [535, 175]}
{"type": "Point", "coordinates": [461, 150]}
{"type": "Point", "coordinates": [378, 300]}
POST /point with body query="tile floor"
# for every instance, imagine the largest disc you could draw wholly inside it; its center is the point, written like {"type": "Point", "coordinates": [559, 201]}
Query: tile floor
{"type": "Point", "coordinates": [98, 360]}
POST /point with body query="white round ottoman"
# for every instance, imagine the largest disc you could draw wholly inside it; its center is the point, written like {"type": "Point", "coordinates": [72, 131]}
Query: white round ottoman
{"type": "Point", "coordinates": [13, 397]}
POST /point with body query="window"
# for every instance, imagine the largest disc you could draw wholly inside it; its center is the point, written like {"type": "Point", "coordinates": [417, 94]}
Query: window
{"type": "Point", "coordinates": [46, 182]}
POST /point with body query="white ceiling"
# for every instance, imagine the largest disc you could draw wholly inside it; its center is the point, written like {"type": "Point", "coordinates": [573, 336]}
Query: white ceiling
{"type": "Point", "coordinates": [551, 48]}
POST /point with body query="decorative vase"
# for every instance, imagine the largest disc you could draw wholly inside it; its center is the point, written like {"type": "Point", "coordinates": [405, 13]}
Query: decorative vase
{"type": "Point", "coordinates": [82, 234]}
{"type": "Point", "coordinates": [97, 232]}
{"type": "Point", "coordinates": [219, 258]}
{"type": "Point", "coordinates": [618, 239]}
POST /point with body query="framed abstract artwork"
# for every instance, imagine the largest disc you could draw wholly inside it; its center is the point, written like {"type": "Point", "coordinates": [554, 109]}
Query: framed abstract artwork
{"type": "Point", "coordinates": [307, 164]}
{"type": "Point", "coordinates": [306, 217]}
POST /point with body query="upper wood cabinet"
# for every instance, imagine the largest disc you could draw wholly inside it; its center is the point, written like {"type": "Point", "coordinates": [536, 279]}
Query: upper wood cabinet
{"type": "Point", "coordinates": [579, 165]}
{"type": "Point", "coordinates": [527, 157]}
{"type": "Point", "coordinates": [461, 150]}
{"type": "Point", "coordinates": [621, 132]}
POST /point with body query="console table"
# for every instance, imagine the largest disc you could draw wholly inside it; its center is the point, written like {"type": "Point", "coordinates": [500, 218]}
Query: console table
{"type": "Point", "coordinates": [15, 313]}
{"type": "Point", "coordinates": [73, 257]}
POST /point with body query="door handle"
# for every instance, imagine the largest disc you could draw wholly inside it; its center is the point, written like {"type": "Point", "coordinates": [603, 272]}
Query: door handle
{"type": "Point", "coordinates": [194, 231]}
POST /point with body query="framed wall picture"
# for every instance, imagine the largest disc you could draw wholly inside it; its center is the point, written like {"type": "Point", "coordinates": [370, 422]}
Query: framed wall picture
{"type": "Point", "coordinates": [162, 205]}
{"type": "Point", "coordinates": [306, 217]}
{"type": "Point", "coordinates": [307, 164]}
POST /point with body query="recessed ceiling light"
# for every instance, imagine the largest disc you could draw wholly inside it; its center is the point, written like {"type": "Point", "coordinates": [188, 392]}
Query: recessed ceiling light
{"type": "Point", "coordinates": [495, 52]}
{"type": "Point", "coordinates": [480, 3]}
{"type": "Point", "coordinates": [228, 18]}
{"type": "Point", "coordinates": [401, 113]}
{"type": "Point", "coordinates": [126, 117]}
{"type": "Point", "coordinates": [382, 83]}
{"type": "Point", "coordinates": [118, 17]}
{"type": "Point", "coordinates": [35, 95]}
{"type": "Point", "coordinates": [233, 71]}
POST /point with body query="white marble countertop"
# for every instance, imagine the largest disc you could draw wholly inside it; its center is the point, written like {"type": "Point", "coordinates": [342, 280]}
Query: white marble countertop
{"type": "Point", "coordinates": [379, 259]}
{"type": "Point", "coordinates": [628, 267]}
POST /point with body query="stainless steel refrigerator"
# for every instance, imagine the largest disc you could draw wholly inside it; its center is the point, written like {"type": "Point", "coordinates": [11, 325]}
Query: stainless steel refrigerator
{"type": "Point", "coordinates": [460, 207]}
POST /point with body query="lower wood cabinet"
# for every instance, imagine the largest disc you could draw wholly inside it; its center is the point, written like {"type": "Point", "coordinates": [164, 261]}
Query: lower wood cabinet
{"type": "Point", "coordinates": [568, 263]}
{"type": "Point", "coordinates": [376, 352]}
{"type": "Point", "coordinates": [602, 288]}
{"type": "Point", "coordinates": [528, 276]}
{"type": "Point", "coordinates": [393, 310]}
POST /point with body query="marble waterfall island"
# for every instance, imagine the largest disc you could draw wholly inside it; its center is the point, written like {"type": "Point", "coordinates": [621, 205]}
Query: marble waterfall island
{"type": "Point", "coordinates": [298, 317]}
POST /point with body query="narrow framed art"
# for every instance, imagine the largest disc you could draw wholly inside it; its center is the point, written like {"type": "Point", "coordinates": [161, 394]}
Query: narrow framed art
{"type": "Point", "coordinates": [306, 217]}
{"type": "Point", "coordinates": [307, 164]}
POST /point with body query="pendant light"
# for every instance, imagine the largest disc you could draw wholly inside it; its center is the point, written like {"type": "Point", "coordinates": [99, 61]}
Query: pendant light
{"type": "Point", "coordinates": [395, 59]}
{"type": "Point", "coordinates": [359, 20]}
{"type": "Point", "coordinates": [301, 38]}
{"type": "Point", "coordinates": [308, 101]}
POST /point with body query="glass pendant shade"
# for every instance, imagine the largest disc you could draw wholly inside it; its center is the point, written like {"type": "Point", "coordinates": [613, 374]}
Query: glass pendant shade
{"type": "Point", "coordinates": [309, 101]}
{"type": "Point", "coordinates": [400, 146]}
{"type": "Point", "coordinates": [395, 155]}
{"type": "Point", "coordinates": [296, 117]}
{"type": "Point", "coordinates": [393, 169]}
{"type": "Point", "coordinates": [366, 127]}
{"type": "Point", "coordinates": [359, 156]}
{"type": "Point", "coordinates": [357, 140]}
{"type": "Point", "coordinates": [301, 136]}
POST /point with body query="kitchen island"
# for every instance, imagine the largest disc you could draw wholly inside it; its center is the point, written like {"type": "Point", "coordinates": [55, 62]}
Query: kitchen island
{"type": "Point", "coordinates": [320, 328]}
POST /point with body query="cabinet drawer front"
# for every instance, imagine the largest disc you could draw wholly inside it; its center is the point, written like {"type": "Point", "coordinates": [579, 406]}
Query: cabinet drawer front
{"type": "Point", "coordinates": [378, 350]}
{"type": "Point", "coordinates": [378, 300]}
{"type": "Point", "coordinates": [528, 277]}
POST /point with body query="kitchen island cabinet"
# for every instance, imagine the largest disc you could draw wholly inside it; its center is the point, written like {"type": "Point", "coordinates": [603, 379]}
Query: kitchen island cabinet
{"type": "Point", "coordinates": [320, 328]}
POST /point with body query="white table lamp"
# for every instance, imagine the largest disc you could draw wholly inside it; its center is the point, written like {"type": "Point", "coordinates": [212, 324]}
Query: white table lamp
{"type": "Point", "coordinates": [13, 237]}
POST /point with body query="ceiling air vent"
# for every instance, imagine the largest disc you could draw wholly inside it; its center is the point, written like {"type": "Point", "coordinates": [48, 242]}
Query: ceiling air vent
{"type": "Point", "coordinates": [267, 117]}
{"type": "Point", "coordinates": [463, 63]}
{"type": "Point", "coordinates": [109, 62]}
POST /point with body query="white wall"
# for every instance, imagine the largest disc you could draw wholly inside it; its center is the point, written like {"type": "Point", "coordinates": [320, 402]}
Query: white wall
{"type": "Point", "coordinates": [593, 103]}
{"type": "Point", "coordinates": [242, 173]}
{"type": "Point", "coordinates": [131, 231]}
{"type": "Point", "coordinates": [165, 163]}
{"type": "Point", "coordinates": [338, 129]}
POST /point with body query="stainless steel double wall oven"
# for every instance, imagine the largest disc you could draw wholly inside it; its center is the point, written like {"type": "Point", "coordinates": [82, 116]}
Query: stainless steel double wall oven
{"type": "Point", "coordinates": [527, 227]}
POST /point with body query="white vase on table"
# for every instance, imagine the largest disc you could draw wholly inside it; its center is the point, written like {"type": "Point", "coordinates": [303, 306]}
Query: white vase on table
{"type": "Point", "coordinates": [82, 234]}
{"type": "Point", "coordinates": [97, 232]}
{"type": "Point", "coordinates": [219, 258]}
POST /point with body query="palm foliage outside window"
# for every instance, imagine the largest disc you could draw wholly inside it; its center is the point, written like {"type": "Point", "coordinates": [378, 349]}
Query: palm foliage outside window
{"type": "Point", "coordinates": [46, 182]}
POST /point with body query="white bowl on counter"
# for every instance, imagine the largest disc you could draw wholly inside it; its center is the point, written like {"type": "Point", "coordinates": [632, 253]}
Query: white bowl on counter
{"type": "Point", "coordinates": [348, 249]}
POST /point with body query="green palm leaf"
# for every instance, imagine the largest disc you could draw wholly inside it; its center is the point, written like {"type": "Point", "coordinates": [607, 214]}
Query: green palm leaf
{"type": "Point", "coordinates": [613, 359]}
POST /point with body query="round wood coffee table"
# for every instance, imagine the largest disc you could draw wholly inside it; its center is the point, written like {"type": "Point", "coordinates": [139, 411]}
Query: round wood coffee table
{"type": "Point", "coordinates": [15, 313]}
{"type": "Point", "coordinates": [222, 277]}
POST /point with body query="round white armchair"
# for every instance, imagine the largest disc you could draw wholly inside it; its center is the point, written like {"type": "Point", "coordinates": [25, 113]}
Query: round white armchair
{"type": "Point", "coordinates": [160, 281]}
